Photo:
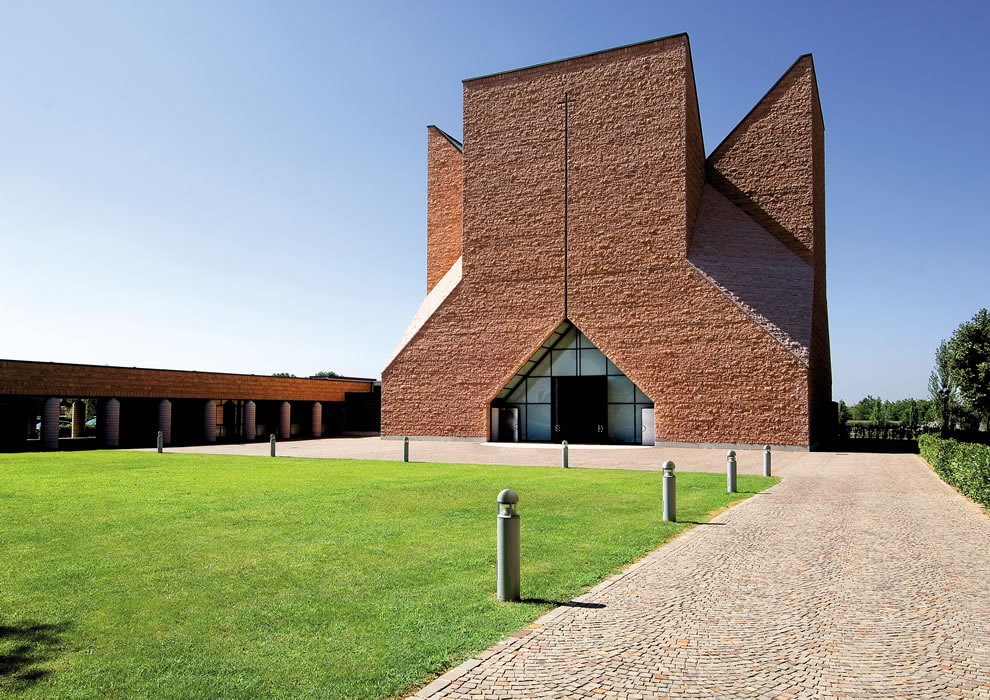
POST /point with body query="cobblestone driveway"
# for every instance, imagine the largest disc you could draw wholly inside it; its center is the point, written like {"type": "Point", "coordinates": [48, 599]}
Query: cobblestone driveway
{"type": "Point", "coordinates": [857, 576]}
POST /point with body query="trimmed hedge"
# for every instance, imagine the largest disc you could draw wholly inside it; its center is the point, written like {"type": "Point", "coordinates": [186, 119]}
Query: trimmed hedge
{"type": "Point", "coordinates": [964, 465]}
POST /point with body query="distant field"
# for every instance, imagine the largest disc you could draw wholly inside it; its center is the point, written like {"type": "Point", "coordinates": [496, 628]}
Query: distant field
{"type": "Point", "coordinates": [129, 574]}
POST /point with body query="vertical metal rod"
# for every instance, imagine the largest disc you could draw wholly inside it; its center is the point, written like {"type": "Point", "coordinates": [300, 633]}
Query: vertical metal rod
{"type": "Point", "coordinates": [669, 493]}
{"type": "Point", "coordinates": [730, 472]}
{"type": "Point", "coordinates": [405, 449]}
{"type": "Point", "coordinates": [563, 454]}
{"type": "Point", "coordinates": [161, 441]}
{"type": "Point", "coordinates": [766, 460]}
{"type": "Point", "coordinates": [566, 167]}
{"type": "Point", "coordinates": [566, 102]}
{"type": "Point", "coordinates": [272, 443]}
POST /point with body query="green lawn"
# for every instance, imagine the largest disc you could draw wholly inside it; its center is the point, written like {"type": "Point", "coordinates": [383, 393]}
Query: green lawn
{"type": "Point", "coordinates": [143, 575]}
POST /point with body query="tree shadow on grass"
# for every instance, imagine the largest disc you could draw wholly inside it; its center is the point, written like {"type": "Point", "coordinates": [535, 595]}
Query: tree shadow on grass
{"type": "Point", "coordinates": [23, 648]}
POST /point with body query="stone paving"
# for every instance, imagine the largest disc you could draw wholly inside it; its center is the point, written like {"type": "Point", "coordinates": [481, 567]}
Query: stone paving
{"type": "Point", "coordinates": [859, 575]}
{"type": "Point", "coordinates": [856, 576]}
{"type": "Point", "coordinates": [453, 451]}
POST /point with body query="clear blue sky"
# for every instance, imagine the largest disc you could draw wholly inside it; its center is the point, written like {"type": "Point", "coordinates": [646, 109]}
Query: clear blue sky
{"type": "Point", "coordinates": [241, 186]}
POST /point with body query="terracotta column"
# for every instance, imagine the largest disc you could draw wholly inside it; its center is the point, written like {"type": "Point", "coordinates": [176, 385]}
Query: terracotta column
{"type": "Point", "coordinates": [49, 424]}
{"type": "Point", "coordinates": [250, 426]}
{"type": "Point", "coordinates": [111, 422]}
{"type": "Point", "coordinates": [78, 418]}
{"type": "Point", "coordinates": [165, 420]}
{"type": "Point", "coordinates": [317, 419]}
{"type": "Point", "coordinates": [210, 421]}
{"type": "Point", "coordinates": [284, 420]}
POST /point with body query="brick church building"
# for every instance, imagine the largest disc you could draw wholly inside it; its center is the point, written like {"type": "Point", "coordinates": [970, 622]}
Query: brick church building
{"type": "Point", "coordinates": [592, 276]}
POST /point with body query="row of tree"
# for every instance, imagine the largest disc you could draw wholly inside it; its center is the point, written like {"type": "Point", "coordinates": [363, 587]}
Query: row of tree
{"type": "Point", "coordinates": [959, 387]}
{"type": "Point", "coordinates": [321, 374]}
{"type": "Point", "coordinates": [906, 412]}
{"type": "Point", "coordinates": [960, 383]}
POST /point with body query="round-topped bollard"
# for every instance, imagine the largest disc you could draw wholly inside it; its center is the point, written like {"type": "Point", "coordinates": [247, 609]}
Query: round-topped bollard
{"type": "Point", "coordinates": [766, 460]}
{"type": "Point", "coordinates": [669, 493]}
{"type": "Point", "coordinates": [507, 557]}
{"type": "Point", "coordinates": [730, 472]}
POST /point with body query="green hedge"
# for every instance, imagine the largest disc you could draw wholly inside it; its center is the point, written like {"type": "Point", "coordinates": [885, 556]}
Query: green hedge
{"type": "Point", "coordinates": [965, 465]}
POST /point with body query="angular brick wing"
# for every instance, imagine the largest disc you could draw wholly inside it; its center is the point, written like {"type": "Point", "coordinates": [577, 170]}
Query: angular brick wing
{"type": "Point", "coordinates": [722, 360]}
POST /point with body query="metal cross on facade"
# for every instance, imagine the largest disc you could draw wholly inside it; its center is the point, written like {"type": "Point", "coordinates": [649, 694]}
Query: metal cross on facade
{"type": "Point", "coordinates": [567, 102]}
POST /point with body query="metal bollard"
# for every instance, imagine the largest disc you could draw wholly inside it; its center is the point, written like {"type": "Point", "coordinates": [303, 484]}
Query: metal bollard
{"type": "Point", "coordinates": [161, 442]}
{"type": "Point", "coordinates": [669, 493]}
{"type": "Point", "coordinates": [766, 460]}
{"type": "Point", "coordinates": [507, 558]}
{"type": "Point", "coordinates": [730, 472]}
{"type": "Point", "coordinates": [271, 441]}
{"type": "Point", "coordinates": [563, 454]}
{"type": "Point", "coordinates": [405, 449]}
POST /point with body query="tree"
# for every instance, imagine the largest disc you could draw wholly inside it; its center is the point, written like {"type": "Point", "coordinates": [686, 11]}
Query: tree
{"type": "Point", "coordinates": [326, 373]}
{"type": "Point", "coordinates": [863, 409]}
{"type": "Point", "coordinates": [879, 413]}
{"type": "Point", "coordinates": [910, 416]}
{"type": "Point", "coordinates": [872, 409]}
{"type": "Point", "coordinates": [969, 364]}
{"type": "Point", "coordinates": [844, 413]}
{"type": "Point", "coordinates": [942, 388]}
{"type": "Point", "coordinates": [283, 374]}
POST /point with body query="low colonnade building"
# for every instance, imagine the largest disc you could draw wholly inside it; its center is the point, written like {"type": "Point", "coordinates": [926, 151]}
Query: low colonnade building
{"type": "Point", "coordinates": [49, 406]}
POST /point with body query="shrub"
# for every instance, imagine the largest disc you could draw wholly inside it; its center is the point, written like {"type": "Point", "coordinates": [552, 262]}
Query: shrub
{"type": "Point", "coordinates": [964, 465]}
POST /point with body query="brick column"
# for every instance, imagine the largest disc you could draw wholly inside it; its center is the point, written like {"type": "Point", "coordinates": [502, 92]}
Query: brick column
{"type": "Point", "coordinates": [210, 421]}
{"type": "Point", "coordinates": [111, 422]}
{"type": "Point", "coordinates": [249, 419]}
{"type": "Point", "coordinates": [284, 420]}
{"type": "Point", "coordinates": [317, 419]}
{"type": "Point", "coordinates": [165, 420]}
{"type": "Point", "coordinates": [78, 418]}
{"type": "Point", "coordinates": [49, 424]}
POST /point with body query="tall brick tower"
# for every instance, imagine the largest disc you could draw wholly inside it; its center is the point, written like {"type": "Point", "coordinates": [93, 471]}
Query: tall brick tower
{"type": "Point", "coordinates": [591, 276]}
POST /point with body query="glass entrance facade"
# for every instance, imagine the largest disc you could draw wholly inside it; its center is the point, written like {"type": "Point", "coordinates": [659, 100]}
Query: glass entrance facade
{"type": "Point", "coordinates": [569, 390]}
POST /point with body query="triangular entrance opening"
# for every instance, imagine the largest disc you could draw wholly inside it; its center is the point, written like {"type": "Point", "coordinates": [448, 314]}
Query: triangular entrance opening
{"type": "Point", "coordinates": [568, 390]}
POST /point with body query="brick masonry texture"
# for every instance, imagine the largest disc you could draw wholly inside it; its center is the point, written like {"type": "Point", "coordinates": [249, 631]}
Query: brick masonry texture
{"type": "Point", "coordinates": [96, 381]}
{"type": "Point", "coordinates": [758, 272]}
{"type": "Point", "coordinates": [766, 165]}
{"type": "Point", "coordinates": [833, 584]}
{"type": "Point", "coordinates": [444, 208]}
{"type": "Point", "coordinates": [636, 185]}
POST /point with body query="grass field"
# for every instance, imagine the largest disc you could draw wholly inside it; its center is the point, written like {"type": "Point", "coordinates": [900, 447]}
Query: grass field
{"type": "Point", "coordinates": [142, 575]}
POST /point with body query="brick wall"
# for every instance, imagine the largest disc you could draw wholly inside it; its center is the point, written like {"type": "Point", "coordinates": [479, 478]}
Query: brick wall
{"type": "Point", "coordinates": [694, 152]}
{"type": "Point", "coordinates": [444, 205]}
{"type": "Point", "coordinates": [823, 412]}
{"type": "Point", "coordinates": [21, 378]}
{"type": "Point", "coordinates": [765, 166]}
{"type": "Point", "coordinates": [636, 183]}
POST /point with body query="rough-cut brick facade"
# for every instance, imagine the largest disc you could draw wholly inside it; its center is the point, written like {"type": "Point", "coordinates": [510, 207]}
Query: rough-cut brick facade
{"type": "Point", "coordinates": [717, 370]}
{"type": "Point", "coordinates": [20, 378]}
{"type": "Point", "coordinates": [444, 204]}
